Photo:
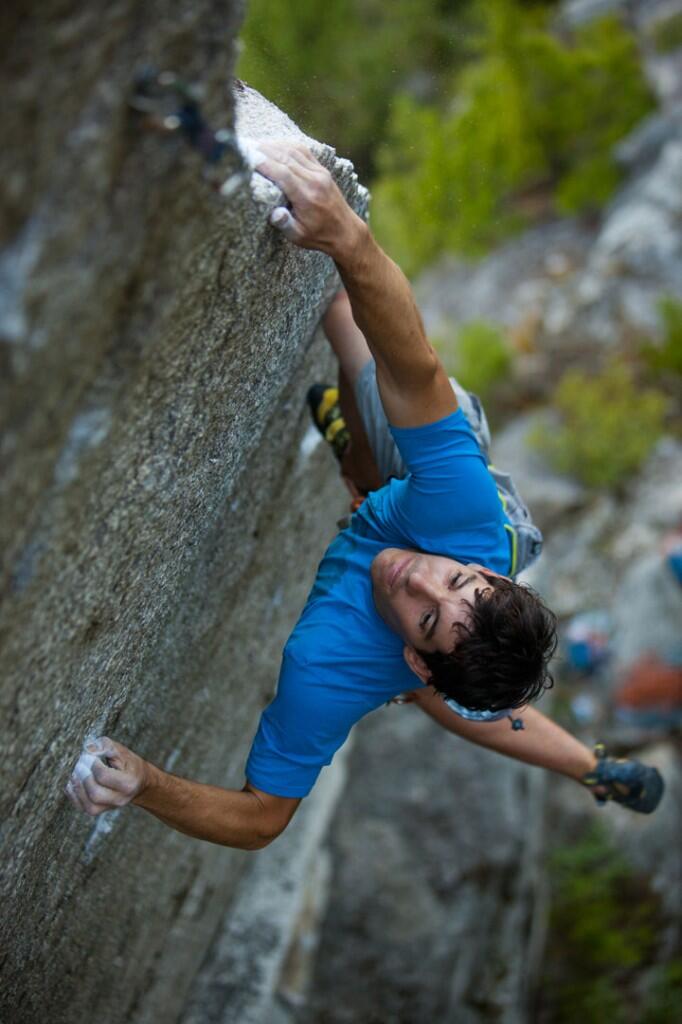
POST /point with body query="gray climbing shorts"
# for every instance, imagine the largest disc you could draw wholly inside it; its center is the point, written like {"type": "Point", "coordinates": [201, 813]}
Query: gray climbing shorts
{"type": "Point", "coordinates": [524, 536]}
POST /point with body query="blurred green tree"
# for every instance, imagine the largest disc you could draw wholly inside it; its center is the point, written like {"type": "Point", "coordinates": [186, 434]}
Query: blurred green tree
{"type": "Point", "coordinates": [666, 355]}
{"type": "Point", "coordinates": [604, 924]}
{"type": "Point", "coordinates": [530, 109]}
{"type": "Point", "coordinates": [335, 67]}
{"type": "Point", "coordinates": [478, 356]}
{"type": "Point", "coordinates": [608, 425]}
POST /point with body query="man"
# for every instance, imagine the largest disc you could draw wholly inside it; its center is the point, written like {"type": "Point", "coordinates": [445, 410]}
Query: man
{"type": "Point", "coordinates": [416, 591]}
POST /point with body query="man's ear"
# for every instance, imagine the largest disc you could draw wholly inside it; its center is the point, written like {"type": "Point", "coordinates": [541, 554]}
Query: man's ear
{"type": "Point", "coordinates": [416, 663]}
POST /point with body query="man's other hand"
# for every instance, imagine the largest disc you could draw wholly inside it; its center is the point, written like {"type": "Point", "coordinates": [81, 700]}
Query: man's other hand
{"type": "Point", "coordinates": [318, 216]}
{"type": "Point", "coordinates": [107, 775]}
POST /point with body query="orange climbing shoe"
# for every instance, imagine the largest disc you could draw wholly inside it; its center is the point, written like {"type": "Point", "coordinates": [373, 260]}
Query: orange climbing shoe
{"type": "Point", "coordinates": [323, 402]}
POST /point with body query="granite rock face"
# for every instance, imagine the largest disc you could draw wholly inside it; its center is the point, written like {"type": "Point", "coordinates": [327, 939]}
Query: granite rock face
{"type": "Point", "coordinates": [161, 517]}
{"type": "Point", "coordinates": [436, 893]}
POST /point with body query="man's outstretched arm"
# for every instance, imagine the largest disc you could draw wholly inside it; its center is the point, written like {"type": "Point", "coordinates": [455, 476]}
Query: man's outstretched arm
{"type": "Point", "coordinates": [541, 741]}
{"type": "Point", "coordinates": [413, 384]}
{"type": "Point", "coordinates": [248, 819]}
{"type": "Point", "coordinates": [544, 743]}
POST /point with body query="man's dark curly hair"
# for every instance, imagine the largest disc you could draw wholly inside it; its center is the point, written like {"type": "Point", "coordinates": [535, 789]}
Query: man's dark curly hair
{"type": "Point", "coordinates": [501, 656]}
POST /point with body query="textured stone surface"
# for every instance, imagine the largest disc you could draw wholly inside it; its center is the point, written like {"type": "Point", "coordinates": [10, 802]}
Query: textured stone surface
{"type": "Point", "coordinates": [237, 982]}
{"type": "Point", "coordinates": [161, 519]}
{"type": "Point", "coordinates": [437, 853]}
{"type": "Point", "coordinates": [586, 557]}
{"type": "Point", "coordinates": [647, 613]}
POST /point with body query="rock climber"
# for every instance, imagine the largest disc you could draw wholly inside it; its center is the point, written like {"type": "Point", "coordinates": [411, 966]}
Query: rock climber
{"type": "Point", "coordinates": [415, 600]}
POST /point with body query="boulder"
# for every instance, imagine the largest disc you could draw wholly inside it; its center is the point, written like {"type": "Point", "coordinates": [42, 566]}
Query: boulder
{"type": "Point", "coordinates": [590, 551]}
{"type": "Point", "coordinates": [640, 234]}
{"type": "Point", "coordinates": [645, 141]}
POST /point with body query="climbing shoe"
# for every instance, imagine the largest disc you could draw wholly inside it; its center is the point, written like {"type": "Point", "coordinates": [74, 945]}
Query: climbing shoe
{"type": "Point", "coordinates": [630, 783]}
{"type": "Point", "coordinates": [326, 412]}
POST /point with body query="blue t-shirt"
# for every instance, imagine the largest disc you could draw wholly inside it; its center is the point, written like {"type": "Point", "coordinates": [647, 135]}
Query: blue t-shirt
{"type": "Point", "coordinates": [342, 660]}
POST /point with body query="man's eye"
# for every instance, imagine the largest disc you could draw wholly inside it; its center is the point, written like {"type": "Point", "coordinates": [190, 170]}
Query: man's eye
{"type": "Point", "coordinates": [455, 579]}
{"type": "Point", "coordinates": [425, 620]}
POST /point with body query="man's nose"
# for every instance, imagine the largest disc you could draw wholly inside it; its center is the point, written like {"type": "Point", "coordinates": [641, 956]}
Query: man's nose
{"type": "Point", "coordinates": [421, 585]}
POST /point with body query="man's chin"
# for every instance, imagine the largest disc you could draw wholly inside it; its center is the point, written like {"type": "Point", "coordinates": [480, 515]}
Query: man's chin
{"type": "Point", "coordinates": [385, 555]}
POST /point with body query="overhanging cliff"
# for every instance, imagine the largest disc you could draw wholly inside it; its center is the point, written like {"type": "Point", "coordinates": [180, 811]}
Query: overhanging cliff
{"type": "Point", "coordinates": [161, 520]}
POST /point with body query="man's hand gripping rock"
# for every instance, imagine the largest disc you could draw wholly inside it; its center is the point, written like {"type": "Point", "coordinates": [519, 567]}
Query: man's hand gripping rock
{"type": "Point", "coordinates": [318, 216]}
{"type": "Point", "coordinates": [107, 775]}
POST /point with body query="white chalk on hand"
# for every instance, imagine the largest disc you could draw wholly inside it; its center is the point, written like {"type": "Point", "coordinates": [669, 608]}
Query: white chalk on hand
{"type": "Point", "coordinates": [281, 219]}
{"type": "Point", "coordinates": [96, 745]}
{"type": "Point", "coordinates": [251, 153]}
{"type": "Point", "coordinates": [84, 766]}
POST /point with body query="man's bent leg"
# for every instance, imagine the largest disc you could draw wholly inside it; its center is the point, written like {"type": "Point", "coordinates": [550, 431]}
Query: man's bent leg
{"type": "Point", "coordinates": [358, 466]}
{"type": "Point", "coordinates": [373, 456]}
{"type": "Point", "coordinates": [358, 463]}
{"type": "Point", "coordinates": [345, 337]}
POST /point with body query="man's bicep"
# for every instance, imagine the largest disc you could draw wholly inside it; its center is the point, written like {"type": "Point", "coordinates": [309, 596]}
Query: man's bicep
{"type": "Point", "coordinates": [427, 397]}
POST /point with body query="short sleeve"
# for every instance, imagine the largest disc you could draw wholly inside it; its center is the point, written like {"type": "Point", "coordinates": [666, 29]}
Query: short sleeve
{"type": "Point", "coordinates": [448, 487]}
{"type": "Point", "coordinates": [299, 732]}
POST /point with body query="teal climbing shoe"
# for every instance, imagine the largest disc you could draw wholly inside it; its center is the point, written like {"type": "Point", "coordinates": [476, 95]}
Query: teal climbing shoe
{"type": "Point", "coordinates": [631, 783]}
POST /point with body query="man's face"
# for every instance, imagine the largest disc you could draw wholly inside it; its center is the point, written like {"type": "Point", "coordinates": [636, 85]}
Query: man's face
{"type": "Point", "coordinates": [423, 597]}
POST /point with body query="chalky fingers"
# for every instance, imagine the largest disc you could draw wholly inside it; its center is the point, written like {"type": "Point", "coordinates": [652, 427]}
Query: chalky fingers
{"type": "Point", "coordinates": [286, 152]}
{"type": "Point", "coordinates": [283, 176]}
{"type": "Point", "coordinates": [305, 158]}
{"type": "Point", "coordinates": [79, 793]}
{"type": "Point", "coordinates": [119, 785]}
{"type": "Point", "coordinates": [96, 785]}
{"type": "Point", "coordinates": [100, 799]}
{"type": "Point", "coordinates": [73, 795]}
{"type": "Point", "coordinates": [294, 168]}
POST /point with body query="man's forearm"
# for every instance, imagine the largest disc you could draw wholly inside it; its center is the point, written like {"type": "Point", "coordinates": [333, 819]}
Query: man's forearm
{"type": "Point", "coordinates": [413, 385]}
{"type": "Point", "coordinates": [384, 308]}
{"type": "Point", "coordinates": [225, 816]}
{"type": "Point", "coordinates": [109, 775]}
{"type": "Point", "coordinates": [541, 742]}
